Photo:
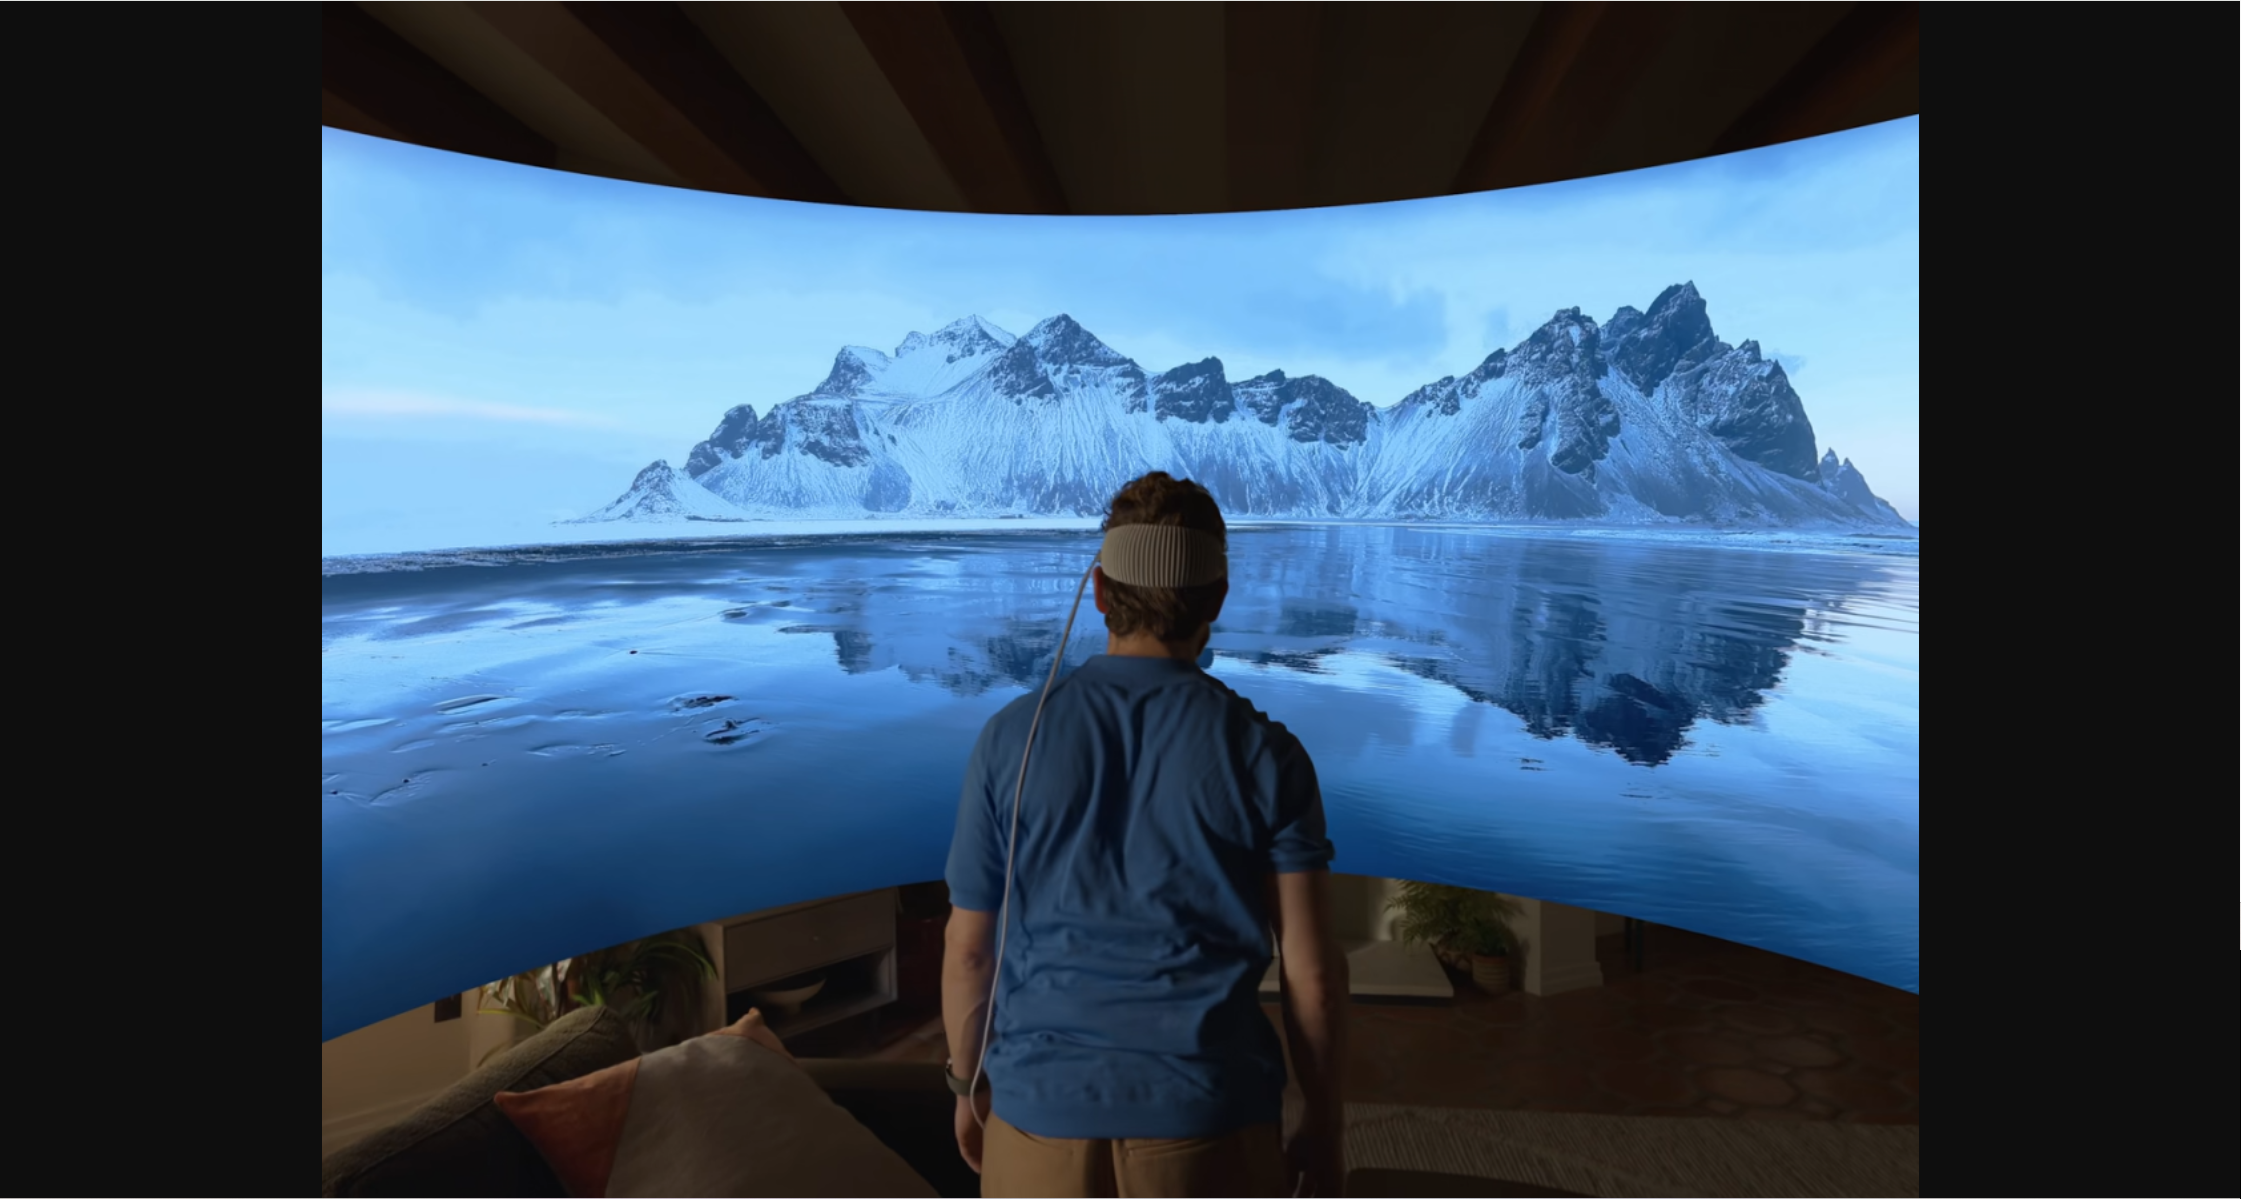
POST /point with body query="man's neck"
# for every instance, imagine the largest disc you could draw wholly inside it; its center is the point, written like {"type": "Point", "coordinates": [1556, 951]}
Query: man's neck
{"type": "Point", "coordinates": [1137, 645]}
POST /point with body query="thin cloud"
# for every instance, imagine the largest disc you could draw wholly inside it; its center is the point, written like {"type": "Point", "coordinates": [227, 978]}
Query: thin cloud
{"type": "Point", "coordinates": [390, 405]}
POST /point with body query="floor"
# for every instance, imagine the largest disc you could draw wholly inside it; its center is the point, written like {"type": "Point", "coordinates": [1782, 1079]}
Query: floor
{"type": "Point", "coordinates": [1706, 1028]}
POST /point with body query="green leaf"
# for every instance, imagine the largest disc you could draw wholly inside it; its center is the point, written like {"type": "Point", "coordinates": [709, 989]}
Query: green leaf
{"type": "Point", "coordinates": [1460, 917]}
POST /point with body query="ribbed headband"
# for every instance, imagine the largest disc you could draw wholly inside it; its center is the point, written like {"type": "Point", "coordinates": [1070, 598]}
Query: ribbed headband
{"type": "Point", "coordinates": [1163, 556]}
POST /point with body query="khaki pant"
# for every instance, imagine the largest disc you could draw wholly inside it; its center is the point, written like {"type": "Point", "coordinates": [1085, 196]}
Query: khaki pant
{"type": "Point", "coordinates": [1248, 1162]}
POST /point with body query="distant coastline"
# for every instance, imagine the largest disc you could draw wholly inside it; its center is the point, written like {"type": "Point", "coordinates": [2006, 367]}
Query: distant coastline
{"type": "Point", "coordinates": [696, 536]}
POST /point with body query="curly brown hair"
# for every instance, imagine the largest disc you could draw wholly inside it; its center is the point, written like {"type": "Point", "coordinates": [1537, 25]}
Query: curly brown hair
{"type": "Point", "coordinates": [1167, 613]}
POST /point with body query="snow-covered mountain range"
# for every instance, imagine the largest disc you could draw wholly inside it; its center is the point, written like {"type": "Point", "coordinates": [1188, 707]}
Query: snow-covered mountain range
{"type": "Point", "coordinates": [1646, 418]}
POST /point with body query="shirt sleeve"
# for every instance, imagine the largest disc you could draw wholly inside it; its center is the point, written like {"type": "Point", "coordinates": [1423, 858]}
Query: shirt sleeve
{"type": "Point", "coordinates": [976, 850]}
{"type": "Point", "coordinates": [1300, 841]}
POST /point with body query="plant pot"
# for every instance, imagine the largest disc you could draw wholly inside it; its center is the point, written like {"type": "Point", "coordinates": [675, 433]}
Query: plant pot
{"type": "Point", "coordinates": [1491, 974]}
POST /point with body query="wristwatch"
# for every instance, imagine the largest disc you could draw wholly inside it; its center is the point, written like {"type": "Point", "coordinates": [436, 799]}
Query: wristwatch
{"type": "Point", "coordinates": [960, 1086]}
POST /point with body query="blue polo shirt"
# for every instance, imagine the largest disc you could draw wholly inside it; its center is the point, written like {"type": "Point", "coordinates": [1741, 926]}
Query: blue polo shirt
{"type": "Point", "coordinates": [1158, 801]}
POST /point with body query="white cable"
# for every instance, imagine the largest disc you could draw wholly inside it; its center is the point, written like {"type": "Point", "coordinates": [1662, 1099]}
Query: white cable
{"type": "Point", "coordinates": [1003, 910]}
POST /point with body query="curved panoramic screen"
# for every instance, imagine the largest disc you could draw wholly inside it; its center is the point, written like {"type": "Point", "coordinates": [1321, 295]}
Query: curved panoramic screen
{"type": "Point", "coordinates": [677, 546]}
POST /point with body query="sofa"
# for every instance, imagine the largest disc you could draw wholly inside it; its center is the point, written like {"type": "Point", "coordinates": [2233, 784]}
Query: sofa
{"type": "Point", "coordinates": [461, 1144]}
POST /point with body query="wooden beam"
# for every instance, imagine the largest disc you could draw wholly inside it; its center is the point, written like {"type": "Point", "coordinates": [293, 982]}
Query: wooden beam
{"type": "Point", "coordinates": [557, 42]}
{"type": "Point", "coordinates": [367, 70]}
{"type": "Point", "coordinates": [1863, 52]}
{"type": "Point", "coordinates": [662, 46]}
{"type": "Point", "coordinates": [1575, 73]}
{"type": "Point", "coordinates": [338, 113]}
{"type": "Point", "coordinates": [950, 67]}
{"type": "Point", "coordinates": [1528, 89]}
{"type": "Point", "coordinates": [1270, 71]}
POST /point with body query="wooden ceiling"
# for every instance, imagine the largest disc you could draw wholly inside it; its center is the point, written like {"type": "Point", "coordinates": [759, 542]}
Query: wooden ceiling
{"type": "Point", "coordinates": [1111, 108]}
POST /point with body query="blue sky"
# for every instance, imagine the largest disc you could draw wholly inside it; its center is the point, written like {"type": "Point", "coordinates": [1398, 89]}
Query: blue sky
{"type": "Point", "coordinates": [495, 336]}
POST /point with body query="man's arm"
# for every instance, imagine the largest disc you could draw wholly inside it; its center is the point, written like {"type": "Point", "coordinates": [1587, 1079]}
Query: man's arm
{"type": "Point", "coordinates": [968, 970]}
{"type": "Point", "coordinates": [976, 889]}
{"type": "Point", "coordinates": [1315, 985]}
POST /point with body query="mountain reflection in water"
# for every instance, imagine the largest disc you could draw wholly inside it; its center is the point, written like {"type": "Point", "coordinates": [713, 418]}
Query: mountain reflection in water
{"type": "Point", "coordinates": [1624, 647]}
{"type": "Point", "coordinates": [1714, 733]}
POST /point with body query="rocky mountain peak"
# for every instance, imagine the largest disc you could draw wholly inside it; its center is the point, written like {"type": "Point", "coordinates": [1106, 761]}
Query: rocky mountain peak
{"type": "Point", "coordinates": [1645, 348]}
{"type": "Point", "coordinates": [1061, 341]}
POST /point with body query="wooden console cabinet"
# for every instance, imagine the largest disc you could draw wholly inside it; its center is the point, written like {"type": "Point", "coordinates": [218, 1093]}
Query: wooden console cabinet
{"type": "Point", "coordinates": [850, 939]}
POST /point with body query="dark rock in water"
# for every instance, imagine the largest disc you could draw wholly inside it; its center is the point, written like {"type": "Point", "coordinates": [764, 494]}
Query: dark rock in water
{"type": "Point", "coordinates": [732, 732]}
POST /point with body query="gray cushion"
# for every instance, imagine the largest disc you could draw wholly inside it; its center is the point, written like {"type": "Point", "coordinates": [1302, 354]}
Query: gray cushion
{"type": "Point", "coordinates": [724, 1115]}
{"type": "Point", "coordinates": [459, 1143]}
{"type": "Point", "coordinates": [909, 1107]}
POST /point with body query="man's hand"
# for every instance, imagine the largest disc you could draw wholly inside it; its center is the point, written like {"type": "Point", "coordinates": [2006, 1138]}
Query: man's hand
{"type": "Point", "coordinates": [968, 970]}
{"type": "Point", "coordinates": [969, 1128]}
{"type": "Point", "coordinates": [1320, 1156]}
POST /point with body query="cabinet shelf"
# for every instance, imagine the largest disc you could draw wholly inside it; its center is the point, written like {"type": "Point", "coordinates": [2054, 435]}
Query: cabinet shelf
{"type": "Point", "coordinates": [849, 939]}
{"type": "Point", "coordinates": [828, 1007]}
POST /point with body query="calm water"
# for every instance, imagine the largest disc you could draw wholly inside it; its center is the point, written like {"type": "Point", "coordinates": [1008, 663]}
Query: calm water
{"type": "Point", "coordinates": [527, 761]}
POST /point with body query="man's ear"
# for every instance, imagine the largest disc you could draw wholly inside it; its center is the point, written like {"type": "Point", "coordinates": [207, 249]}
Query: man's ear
{"type": "Point", "coordinates": [1221, 596]}
{"type": "Point", "coordinates": [1097, 584]}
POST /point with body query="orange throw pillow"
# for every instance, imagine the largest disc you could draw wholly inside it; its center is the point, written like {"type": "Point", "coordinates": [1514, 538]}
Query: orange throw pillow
{"type": "Point", "coordinates": [730, 1113]}
{"type": "Point", "coordinates": [576, 1124]}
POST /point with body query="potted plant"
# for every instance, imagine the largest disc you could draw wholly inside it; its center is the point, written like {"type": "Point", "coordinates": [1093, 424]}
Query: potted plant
{"type": "Point", "coordinates": [1468, 929]}
{"type": "Point", "coordinates": [637, 979]}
